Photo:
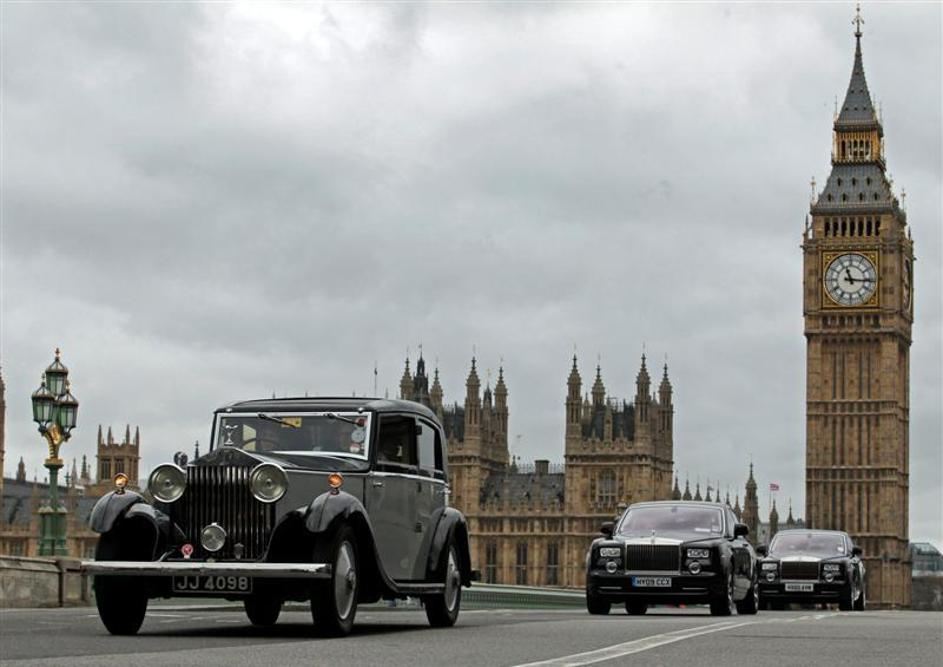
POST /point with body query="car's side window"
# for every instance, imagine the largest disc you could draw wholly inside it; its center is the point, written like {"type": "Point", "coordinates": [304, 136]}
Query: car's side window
{"type": "Point", "coordinates": [427, 450]}
{"type": "Point", "coordinates": [396, 444]}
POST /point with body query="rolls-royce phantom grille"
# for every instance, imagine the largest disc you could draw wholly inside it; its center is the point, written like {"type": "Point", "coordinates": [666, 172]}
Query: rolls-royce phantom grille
{"type": "Point", "coordinates": [653, 558]}
{"type": "Point", "coordinates": [799, 570]}
{"type": "Point", "coordinates": [221, 494]}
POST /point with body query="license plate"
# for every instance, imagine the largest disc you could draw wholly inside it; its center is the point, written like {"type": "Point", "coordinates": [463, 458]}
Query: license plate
{"type": "Point", "coordinates": [800, 588]}
{"type": "Point", "coordinates": [212, 584]}
{"type": "Point", "coordinates": [651, 582]}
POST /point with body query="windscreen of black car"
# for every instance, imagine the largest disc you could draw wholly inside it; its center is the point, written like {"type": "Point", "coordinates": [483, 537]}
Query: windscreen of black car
{"type": "Point", "coordinates": [344, 435]}
{"type": "Point", "coordinates": [816, 544]}
{"type": "Point", "coordinates": [672, 521]}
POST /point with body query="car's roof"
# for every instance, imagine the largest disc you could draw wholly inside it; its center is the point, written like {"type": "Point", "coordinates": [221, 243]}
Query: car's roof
{"type": "Point", "coordinates": [821, 531]}
{"type": "Point", "coordinates": [692, 503]}
{"type": "Point", "coordinates": [329, 404]}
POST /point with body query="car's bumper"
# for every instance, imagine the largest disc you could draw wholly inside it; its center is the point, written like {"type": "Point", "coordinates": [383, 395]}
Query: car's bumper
{"type": "Point", "coordinates": [684, 589]}
{"type": "Point", "coordinates": [201, 568]}
{"type": "Point", "coordinates": [821, 591]}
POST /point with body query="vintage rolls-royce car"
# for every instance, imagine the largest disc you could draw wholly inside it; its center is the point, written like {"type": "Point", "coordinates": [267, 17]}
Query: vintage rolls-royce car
{"type": "Point", "coordinates": [802, 565]}
{"type": "Point", "coordinates": [333, 500]}
{"type": "Point", "coordinates": [672, 552]}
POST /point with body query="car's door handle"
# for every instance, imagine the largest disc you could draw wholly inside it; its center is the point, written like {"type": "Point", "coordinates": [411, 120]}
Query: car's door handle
{"type": "Point", "coordinates": [377, 483]}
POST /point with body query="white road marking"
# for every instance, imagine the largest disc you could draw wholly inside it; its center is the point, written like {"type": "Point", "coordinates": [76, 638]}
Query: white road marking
{"type": "Point", "coordinates": [635, 646]}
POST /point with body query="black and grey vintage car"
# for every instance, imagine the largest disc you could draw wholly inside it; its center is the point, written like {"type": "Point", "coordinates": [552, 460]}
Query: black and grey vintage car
{"type": "Point", "coordinates": [809, 566]}
{"type": "Point", "coordinates": [337, 501]}
{"type": "Point", "coordinates": [672, 552]}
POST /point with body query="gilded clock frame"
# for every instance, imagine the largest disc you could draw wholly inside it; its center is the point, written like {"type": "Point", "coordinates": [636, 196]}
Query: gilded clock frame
{"type": "Point", "coordinates": [873, 256]}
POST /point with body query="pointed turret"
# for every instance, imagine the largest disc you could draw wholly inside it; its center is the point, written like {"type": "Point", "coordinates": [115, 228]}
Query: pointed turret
{"type": "Point", "coordinates": [472, 399]}
{"type": "Point", "coordinates": [74, 476]}
{"type": "Point", "coordinates": [574, 386]}
{"type": "Point", "coordinates": [790, 521]}
{"type": "Point", "coordinates": [101, 440]}
{"type": "Point", "coordinates": [857, 109]}
{"type": "Point", "coordinates": [676, 491]}
{"type": "Point", "coordinates": [137, 436]}
{"type": "Point", "coordinates": [111, 438]}
{"type": "Point", "coordinates": [687, 490]}
{"type": "Point", "coordinates": [599, 389]}
{"type": "Point", "coordinates": [21, 471]}
{"type": "Point", "coordinates": [127, 434]}
{"type": "Point", "coordinates": [697, 493]}
{"type": "Point", "coordinates": [751, 507]}
{"type": "Point", "coordinates": [196, 450]}
{"type": "Point", "coordinates": [642, 397]}
{"type": "Point", "coordinates": [773, 521]}
{"type": "Point", "coordinates": [664, 389]}
{"type": "Point", "coordinates": [435, 393]}
{"type": "Point", "coordinates": [86, 477]}
{"type": "Point", "coordinates": [736, 507]}
{"type": "Point", "coordinates": [501, 403]}
{"type": "Point", "coordinates": [406, 383]}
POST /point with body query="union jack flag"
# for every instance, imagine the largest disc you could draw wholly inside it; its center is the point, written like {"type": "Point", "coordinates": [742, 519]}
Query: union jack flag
{"type": "Point", "coordinates": [773, 486]}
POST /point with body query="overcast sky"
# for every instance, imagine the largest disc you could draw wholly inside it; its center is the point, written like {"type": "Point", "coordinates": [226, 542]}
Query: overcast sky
{"type": "Point", "coordinates": [210, 202]}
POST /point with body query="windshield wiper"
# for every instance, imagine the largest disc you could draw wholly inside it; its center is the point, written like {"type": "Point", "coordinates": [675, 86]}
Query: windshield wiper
{"type": "Point", "coordinates": [277, 420]}
{"type": "Point", "coordinates": [331, 415]}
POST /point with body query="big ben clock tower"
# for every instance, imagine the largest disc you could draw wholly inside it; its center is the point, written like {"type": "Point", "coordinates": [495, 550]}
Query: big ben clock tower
{"type": "Point", "coordinates": [858, 307]}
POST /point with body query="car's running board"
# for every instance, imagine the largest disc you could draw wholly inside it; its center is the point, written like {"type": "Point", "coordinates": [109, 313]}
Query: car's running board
{"type": "Point", "coordinates": [417, 589]}
{"type": "Point", "coordinates": [198, 568]}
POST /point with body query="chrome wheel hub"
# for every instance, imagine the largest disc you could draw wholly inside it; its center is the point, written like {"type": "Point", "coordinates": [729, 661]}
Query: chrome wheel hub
{"type": "Point", "coordinates": [452, 581]}
{"type": "Point", "coordinates": [345, 580]}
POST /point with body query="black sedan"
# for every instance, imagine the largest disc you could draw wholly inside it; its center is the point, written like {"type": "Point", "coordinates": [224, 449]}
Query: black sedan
{"type": "Point", "coordinates": [672, 552]}
{"type": "Point", "coordinates": [812, 566]}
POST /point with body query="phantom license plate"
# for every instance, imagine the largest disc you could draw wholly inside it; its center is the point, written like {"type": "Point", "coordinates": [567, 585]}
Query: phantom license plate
{"type": "Point", "coordinates": [212, 584]}
{"type": "Point", "coordinates": [651, 582]}
{"type": "Point", "coordinates": [800, 588]}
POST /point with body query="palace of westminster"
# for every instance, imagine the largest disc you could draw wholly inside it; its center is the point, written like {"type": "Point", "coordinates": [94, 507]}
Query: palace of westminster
{"type": "Point", "coordinates": [531, 524]}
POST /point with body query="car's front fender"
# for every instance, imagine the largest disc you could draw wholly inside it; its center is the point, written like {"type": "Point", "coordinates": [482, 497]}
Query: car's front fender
{"type": "Point", "coordinates": [330, 509]}
{"type": "Point", "coordinates": [111, 507]}
{"type": "Point", "coordinates": [451, 529]}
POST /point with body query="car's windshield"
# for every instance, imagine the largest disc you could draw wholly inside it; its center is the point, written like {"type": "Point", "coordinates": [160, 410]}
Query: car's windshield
{"type": "Point", "coordinates": [818, 544]}
{"type": "Point", "coordinates": [323, 433]}
{"type": "Point", "coordinates": [673, 520]}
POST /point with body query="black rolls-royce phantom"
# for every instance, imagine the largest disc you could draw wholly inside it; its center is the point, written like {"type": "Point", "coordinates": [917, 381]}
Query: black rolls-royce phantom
{"type": "Point", "coordinates": [802, 565]}
{"type": "Point", "coordinates": [336, 501]}
{"type": "Point", "coordinates": [672, 552]}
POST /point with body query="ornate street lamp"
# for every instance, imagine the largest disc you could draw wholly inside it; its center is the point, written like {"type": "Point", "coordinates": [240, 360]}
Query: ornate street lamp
{"type": "Point", "coordinates": [54, 410]}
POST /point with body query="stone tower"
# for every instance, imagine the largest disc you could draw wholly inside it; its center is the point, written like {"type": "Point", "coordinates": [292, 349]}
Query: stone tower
{"type": "Point", "coordinates": [773, 521]}
{"type": "Point", "coordinates": [751, 508]}
{"type": "Point", "coordinates": [115, 457]}
{"type": "Point", "coordinates": [858, 309]}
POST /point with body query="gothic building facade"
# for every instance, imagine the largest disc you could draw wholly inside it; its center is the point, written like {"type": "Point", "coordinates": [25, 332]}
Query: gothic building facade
{"type": "Point", "coordinates": [531, 524]}
{"type": "Point", "coordinates": [858, 309]}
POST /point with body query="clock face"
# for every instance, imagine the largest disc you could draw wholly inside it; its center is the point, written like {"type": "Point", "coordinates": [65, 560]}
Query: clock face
{"type": "Point", "coordinates": [850, 279]}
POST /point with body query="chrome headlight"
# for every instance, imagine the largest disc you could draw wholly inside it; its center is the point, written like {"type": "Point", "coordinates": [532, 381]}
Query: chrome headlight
{"type": "Point", "coordinates": [167, 482]}
{"type": "Point", "coordinates": [699, 553]}
{"type": "Point", "coordinates": [213, 537]}
{"type": "Point", "coordinates": [770, 576]}
{"type": "Point", "coordinates": [268, 482]}
{"type": "Point", "coordinates": [770, 566]}
{"type": "Point", "coordinates": [695, 567]}
{"type": "Point", "coordinates": [610, 552]}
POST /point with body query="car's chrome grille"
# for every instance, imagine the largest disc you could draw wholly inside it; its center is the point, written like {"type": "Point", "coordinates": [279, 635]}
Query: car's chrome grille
{"type": "Point", "coordinates": [652, 558]}
{"type": "Point", "coordinates": [799, 570]}
{"type": "Point", "coordinates": [221, 494]}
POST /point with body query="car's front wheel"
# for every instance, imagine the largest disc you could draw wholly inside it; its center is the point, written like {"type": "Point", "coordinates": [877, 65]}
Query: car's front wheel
{"type": "Point", "coordinates": [263, 611]}
{"type": "Point", "coordinates": [121, 605]}
{"type": "Point", "coordinates": [596, 605]}
{"type": "Point", "coordinates": [846, 598]}
{"type": "Point", "coordinates": [442, 608]}
{"type": "Point", "coordinates": [751, 603]}
{"type": "Point", "coordinates": [334, 604]}
{"type": "Point", "coordinates": [636, 608]}
{"type": "Point", "coordinates": [861, 602]}
{"type": "Point", "coordinates": [722, 602]}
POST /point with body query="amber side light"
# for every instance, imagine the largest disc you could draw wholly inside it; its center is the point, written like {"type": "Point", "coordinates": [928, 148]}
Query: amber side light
{"type": "Point", "coordinates": [121, 482]}
{"type": "Point", "coordinates": [334, 480]}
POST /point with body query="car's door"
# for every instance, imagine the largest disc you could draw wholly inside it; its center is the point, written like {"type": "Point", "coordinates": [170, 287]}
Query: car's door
{"type": "Point", "coordinates": [392, 495]}
{"type": "Point", "coordinates": [431, 499]}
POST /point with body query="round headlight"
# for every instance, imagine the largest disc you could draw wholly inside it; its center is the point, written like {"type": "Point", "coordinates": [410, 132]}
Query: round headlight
{"type": "Point", "coordinates": [694, 567]}
{"type": "Point", "coordinates": [268, 482]}
{"type": "Point", "coordinates": [770, 576]}
{"type": "Point", "coordinates": [611, 567]}
{"type": "Point", "coordinates": [167, 482]}
{"type": "Point", "coordinates": [213, 537]}
{"type": "Point", "coordinates": [829, 577]}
